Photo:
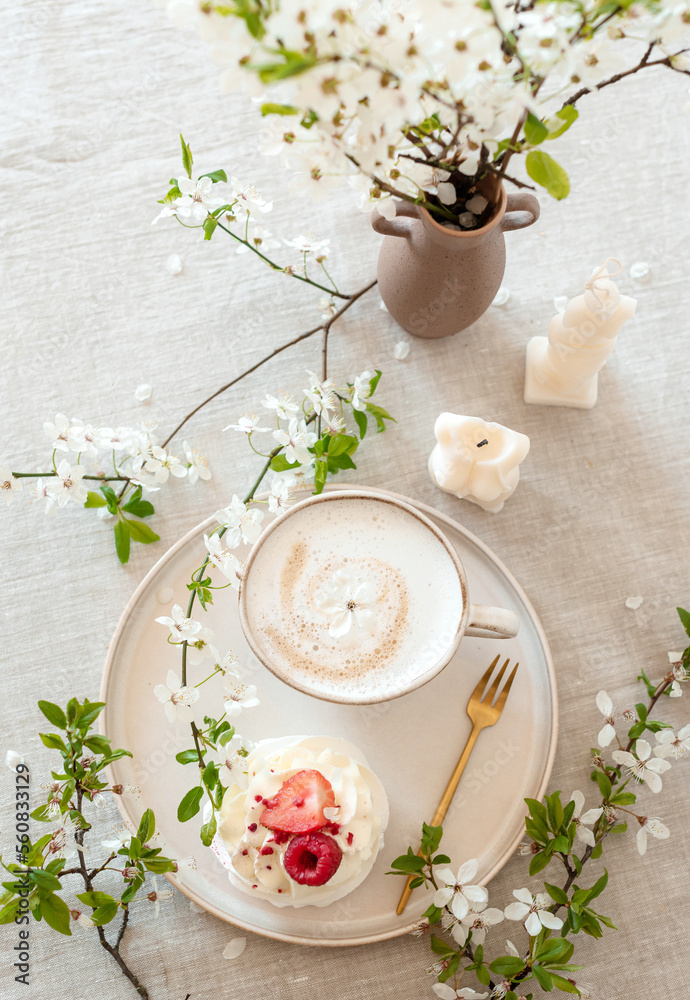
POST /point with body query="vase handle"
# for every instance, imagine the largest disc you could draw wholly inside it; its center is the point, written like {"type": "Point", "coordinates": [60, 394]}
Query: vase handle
{"type": "Point", "coordinates": [392, 227]}
{"type": "Point", "coordinates": [522, 210]}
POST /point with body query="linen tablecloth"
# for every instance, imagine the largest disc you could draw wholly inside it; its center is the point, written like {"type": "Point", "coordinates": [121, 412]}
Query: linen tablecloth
{"type": "Point", "coordinates": [94, 95]}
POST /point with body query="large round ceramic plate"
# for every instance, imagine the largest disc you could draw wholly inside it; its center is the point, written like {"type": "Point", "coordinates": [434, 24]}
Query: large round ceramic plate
{"type": "Point", "coordinates": [412, 743]}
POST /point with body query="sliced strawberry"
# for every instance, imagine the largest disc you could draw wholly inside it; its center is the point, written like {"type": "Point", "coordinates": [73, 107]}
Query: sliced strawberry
{"type": "Point", "coordinates": [312, 859]}
{"type": "Point", "coordinates": [298, 806]}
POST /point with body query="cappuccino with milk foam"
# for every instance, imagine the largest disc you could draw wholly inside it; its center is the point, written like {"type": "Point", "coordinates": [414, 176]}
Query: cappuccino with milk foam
{"type": "Point", "coordinates": [353, 598]}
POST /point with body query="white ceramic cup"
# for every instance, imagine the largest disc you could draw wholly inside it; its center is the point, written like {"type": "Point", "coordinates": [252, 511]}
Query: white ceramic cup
{"type": "Point", "coordinates": [358, 598]}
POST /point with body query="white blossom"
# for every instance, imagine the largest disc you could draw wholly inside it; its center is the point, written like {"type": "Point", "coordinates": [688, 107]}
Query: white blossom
{"type": "Point", "coordinates": [243, 522]}
{"type": "Point", "coordinates": [238, 695]}
{"type": "Point", "coordinates": [162, 465]}
{"type": "Point", "coordinates": [176, 698]}
{"type": "Point", "coordinates": [458, 892]}
{"type": "Point", "coordinates": [249, 198]}
{"type": "Point", "coordinates": [296, 440]}
{"type": "Point", "coordinates": [223, 559]}
{"type": "Point", "coordinates": [195, 202]}
{"type": "Point", "coordinates": [639, 765]}
{"type": "Point", "coordinates": [59, 432]}
{"type": "Point", "coordinates": [198, 466]}
{"type": "Point", "coordinates": [181, 627]}
{"type": "Point", "coordinates": [281, 497]}
{"type": "Point", "coordinates": [584, 820]}
{"type": "Point", "coordinates": [671, 745]}
{"type": "Point", "coordinates": [346, 599]}
{"type": "Point", "coordinates": [307, 243]}
{"type": "Point", "coordinates": [444, 991]}
{"type": "Point", "coordinates": [156, 895]}
{"type": "Point", "coordinates": [361, 390]}
{"type": "Point", "coordinates": [321, 394]}
{"type": "Point", "coordinates": [653, 826]}
{"type": "Point", "coordinates": [248, 424]}
{"type": "Point", "coordinates": [9, 484]}
{"type": "Point", "coordinates": [533, 911]}
{"type": "Point", "coordinates": [67, 484]}
{"type": "Point", "coordinates": [283, 404]}
{"type": "Point", "coordinates": [13, 760]}
{"type": "Point", "coordinates": [478, 919]}
{"type": "Point", "coordinates": [608, 732]}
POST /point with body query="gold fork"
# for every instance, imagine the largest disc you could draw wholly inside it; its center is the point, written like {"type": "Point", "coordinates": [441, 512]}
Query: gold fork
{"type": "Point", "coordinates": [482, 713]}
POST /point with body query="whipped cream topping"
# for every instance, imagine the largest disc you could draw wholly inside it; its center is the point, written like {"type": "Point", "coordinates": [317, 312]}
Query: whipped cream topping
{"type": "Point", "coordinates": [254, 855]}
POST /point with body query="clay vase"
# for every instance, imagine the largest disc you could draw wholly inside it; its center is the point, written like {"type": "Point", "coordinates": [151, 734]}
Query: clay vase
{"type": "Point", "coordinates": [436, 281]}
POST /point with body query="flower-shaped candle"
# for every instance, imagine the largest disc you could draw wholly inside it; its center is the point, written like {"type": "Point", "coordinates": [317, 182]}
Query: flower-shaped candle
{"type": "Point", "coordinates": [477, 460]}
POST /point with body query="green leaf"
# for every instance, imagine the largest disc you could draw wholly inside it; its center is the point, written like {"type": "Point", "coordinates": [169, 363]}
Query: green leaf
{"type": "Point", "coordinates": [483, 975]}
{"type": "Point", "coordinates": [561, 844]}
{"type": "Point", "coordinates": [538, 863]}
{"type": "Point", "coordinates": [278, 109]}
{"type": "Point", "coordinates": [596, 853]}
{"type": "Point", "coordinates": [292, 64]}
{"type": "Point", "coordinates": [147, 826]}
{"type": "Point", "coordinates": [557, 894]}
{"type": "Point", "coordinates": [564, 985]}
{"type": "Point", "coordinates": [89, 713]}
{"type": "Point", "coordinates": [604, 783]}
{"type": "Point", "coordinates": [544, 170]}
{"type": "Point", "coordinates": [208, 831]}
{"type": "Point", "coordinates": [132, 889]}
{"type": "Point", "coordinates": [535, 130]}
{"type": "Point", "coordinates": [555, 950]}
{"type": "Point", "coordinates": [8, 912]}
{"type": "Point", "coordinates": [209, 775]}
{"type": "Point", "coordinates": [379, 415]}
{"type": "Point", "coordinates": [44, 880]}
{"type": "Point", "coordinates": [320, 475]}
{"type": "Point", "coordinates": [536, 830]}
{"type": "Point", "coordinates": [279, 463]}
{"type": "Point", "coordinates": [431, 838]}
{"type": "Point", "coordinates": [651, 688]}
{"type": "Point", "coordinates": [451, 969]}
{"type": "Point", "coordinates": [104, 914]}
{"type": "Point", "coordinates": [187, 158]}
{"type": "Point", "coordinates": [636, 730]}
{"type": "Point", "coordinates": [439, 947]}
{"type": "Point", "coordinates": [141, 532]}
{"type": "Point", "coordinates": [641, 710]}
{"type": "Point", "coordinates": [53, 714]}
{"type": "Point", "coordinates": [94, 500]}
{"type": "Point", "coordinates": [598, 887]}
{"type": "Point", "coordinates": [121, 529]}
{"type": "Point", "coordinates": [433, 914]}
{"type": "Point", "coordinates": [140, 508]}
{"type": "Point", "coordinates": [562, 121]}
{"type": "Point", "coordinates": [536, 809]}
{"type": "Point", "coordinates": [554, 812]}
{"type": "Point", "coordinates": [97, 744]}
{"type": "Point", "coordinates": [52, 741]}
{"type": "Point", "coordinates": [441, 859]}
{"type": "Point", "coordinates": [408, 863]}
{"type": "Point", "coordinates": [543, 978]}
{"type": "Point", "coordinates": [361, 421]}
{"type": "Point", "coordinates": [41, 814]}
{"type": "Point", "coordinates": [56, 913]}
{"type": "Point", "coordinates": [624, 799]}
{"type": "Point", "coordinates": [216, 175]}
{"type": "Point", "coordinates": [187, 757]}
{"type": "Point", "coordinates": [507, 965]}
{"type": "Point", "coordinates": [158, 865]}
{"type": "Point", "coordinates": [684, 618]}
{"type": "Point", "coordinates": [94, 899]}
{"type": "Point", "coordinates": [210, 223]}
{"type": "Point", "coordinates": [190, 804]}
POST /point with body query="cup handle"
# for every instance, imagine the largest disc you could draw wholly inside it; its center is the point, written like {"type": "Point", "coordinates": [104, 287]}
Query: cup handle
{"type": "Point", "coordinates": [498, 623]}
{"type": "Point", "coordinates": [393, 227]}
{"type": "Point", "coordinates": [522, 210]}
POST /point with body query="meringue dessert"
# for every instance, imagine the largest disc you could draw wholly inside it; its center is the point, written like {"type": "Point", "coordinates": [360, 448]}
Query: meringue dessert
{"type": "Point", "coordinates": [305, 825]}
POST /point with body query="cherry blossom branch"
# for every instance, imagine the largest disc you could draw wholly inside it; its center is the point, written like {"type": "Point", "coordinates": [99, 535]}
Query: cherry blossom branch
{"type": "Point", "coordinates": [49, 475]}
{"type": "Point", "coordinates": [351, 299]}
{"type": "Point", "coordinates": [276, 267]}
{"type": "Point", "coordinates": [644, 63]}
{"type": "Point", "coordinates": [113, 951]}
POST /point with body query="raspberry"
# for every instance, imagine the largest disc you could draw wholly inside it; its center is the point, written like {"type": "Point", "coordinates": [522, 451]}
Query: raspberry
{"type": "Point", "coordinates": [312, 859]}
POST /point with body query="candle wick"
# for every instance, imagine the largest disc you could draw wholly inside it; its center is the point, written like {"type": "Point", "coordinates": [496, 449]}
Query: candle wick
{"type": "Point", "coordinates": [482, 443]}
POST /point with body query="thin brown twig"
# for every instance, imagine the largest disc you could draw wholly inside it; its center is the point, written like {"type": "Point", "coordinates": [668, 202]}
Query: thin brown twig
{"type": "Point", "coordinates": [644, 63]}
{"type": "Point", "coordinates": [295, 340]}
